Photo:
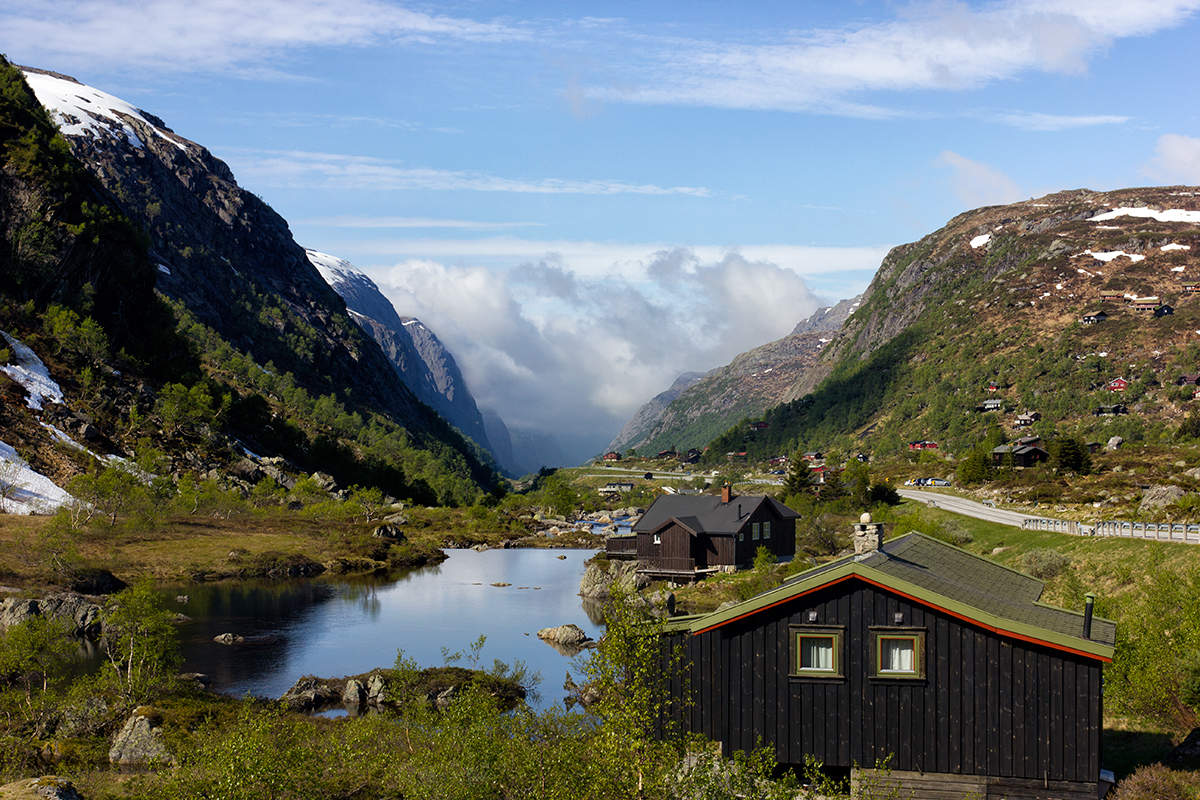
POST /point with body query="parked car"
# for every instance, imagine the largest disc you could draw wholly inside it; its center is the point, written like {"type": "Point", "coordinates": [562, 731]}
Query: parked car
{"type": "Point", "coordinates": [937, 482]}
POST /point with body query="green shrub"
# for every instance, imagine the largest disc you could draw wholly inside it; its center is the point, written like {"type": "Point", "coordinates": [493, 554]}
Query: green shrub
{"type": "Point", "coordinates": [1044, 562]}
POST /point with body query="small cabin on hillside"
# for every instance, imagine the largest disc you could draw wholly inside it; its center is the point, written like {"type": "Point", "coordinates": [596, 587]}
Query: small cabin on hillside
{"type": "Point", "coordinates": [1114, 410]}
{"type": "Point", "coordinates": [1188, 379]}
{"type": "Point", "coordinates": [1093, 317]}
{"type": "Point", "coordinates": [1144, 305]}
{"type": "Point", "coordinates": [1164, 310]}
{"type": "Point", "coordinates": [1117, 385]}
{"type": "Point", "coordinates": [759, 426]}
{"type": "Point", "coordinates": [1191, 288]}
{"type": "Point", "coordinates": [1019, 455]}
{"type": "Point", "coordinates": [924, 444]}
{"type": "Point", "coordinates": [692, 456]}
{"type": "Point", "coordinates": [612, 455]}
{"type": "Point", "coordinates": [990, 404]}
{"type": "Point", "coordinates": [1027, 419]}
{"type": "Point", "coordinates": [685, 537]}
{"type": "Point", "coordinates": [1112, 295]}
{"type": "Point", "coordinates": [914, 652]}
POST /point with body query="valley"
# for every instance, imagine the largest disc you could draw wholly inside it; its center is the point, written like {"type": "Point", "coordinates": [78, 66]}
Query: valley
{"type": "Point", "coordinates": [267, 513]}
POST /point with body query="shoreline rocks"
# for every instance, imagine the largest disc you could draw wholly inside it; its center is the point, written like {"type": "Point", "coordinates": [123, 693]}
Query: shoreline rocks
{"type": "Point", "coordinates": [569, 636]}
{"type": "Point", "coordinates": [81, 614]}
{"type": "Point", "coordinates": [598, 581]}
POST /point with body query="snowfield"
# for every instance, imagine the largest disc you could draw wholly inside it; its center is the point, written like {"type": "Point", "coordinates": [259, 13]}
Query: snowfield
{"type": "Point", "coordinates": [981, 240]}
{"type": "Point", "coordinates": [333, 269]}
{"type": "Point", "coordinates": [84, 111]}
{"type": "Point", "coordinates": [29, 371]}
{"type": "Point", "coordinates": [1167, 215]}
{"type": "Point", "coordinates": [1166, 248]}
{"type": "Point", "coordinates": [1109, 255]}
{"type": "Point", "coordinates": [23, 491]}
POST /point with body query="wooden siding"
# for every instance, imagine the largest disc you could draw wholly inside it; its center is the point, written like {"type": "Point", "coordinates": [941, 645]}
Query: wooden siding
{"type": "Point", "coordinates": [987, 706]}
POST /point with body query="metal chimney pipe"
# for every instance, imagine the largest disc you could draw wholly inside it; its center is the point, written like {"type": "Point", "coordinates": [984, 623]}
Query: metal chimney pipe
{"type": "Point", "coordinates": [1088, 603]}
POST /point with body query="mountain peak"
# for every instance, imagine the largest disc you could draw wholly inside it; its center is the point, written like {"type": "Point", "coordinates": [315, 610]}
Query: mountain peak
{"type": "Point", "coordinates": [82, 110]}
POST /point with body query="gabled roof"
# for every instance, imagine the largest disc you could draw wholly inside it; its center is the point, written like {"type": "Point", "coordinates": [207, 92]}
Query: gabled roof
{"type": "Point", "coordinates": [705, 513]}
{"type": "Point", "coordinates": [941, 576]}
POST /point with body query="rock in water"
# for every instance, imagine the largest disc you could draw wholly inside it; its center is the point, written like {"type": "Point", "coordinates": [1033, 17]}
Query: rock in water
{"type": "Point", "coordinates": [598, 582]}
{"type": "Point", "coordinates": [47, 787]}
{"type": "Point", "coordinates": [228, 638]}
{"type": "Point", "coordinates": [566, 635]}
{"type": "Point", "coordinates": [354, 695]}
{"type": "Point", "coordinates": [140, 742]}
{"type": "Point", "coordinates": [310, 693]}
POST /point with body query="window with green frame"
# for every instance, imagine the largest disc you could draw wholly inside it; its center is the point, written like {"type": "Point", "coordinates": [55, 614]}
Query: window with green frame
{"type": "Point", "coordinates": [817, 652]}
{"type": "Point", "coordinates": [766, 529]}
{"type": "Point", "coordinates": [899, 652]}
{"type": "Point", "coordinates": [755, 531]}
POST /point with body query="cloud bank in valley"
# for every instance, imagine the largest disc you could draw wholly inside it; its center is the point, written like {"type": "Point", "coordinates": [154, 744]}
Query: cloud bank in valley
{"type": "Point", "coordinates": [570, 352]}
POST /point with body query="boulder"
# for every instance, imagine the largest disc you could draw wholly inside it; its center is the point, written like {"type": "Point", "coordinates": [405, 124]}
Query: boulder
{"type": "Point", "coordinates": [599, 582]}
{"type": "Point", "coordinates": [247, 470]}
{"type": "Point", "coordinates": [310, 693]}
{"type": "Point", "coordinates": [388, 531]}
{"type": "Point", "coordinates": [81, 614]}
{"type": "Point", "coordinates": [396, 519]}
{"type": "Point", "coordinates": [1114, 443]}
{"type": "Point", "coordinates": [727, 604]}
{"type": "Point", "coordinates": [376, 689]}
{"type": "Point", "coordinates": [325, 481]}
{"type": "Point", "coordinates": [47, 787]}
{"type": "Point", "coordinates": [354, 695]}
{"type": "Point", "coordinates": [1159, 496]}
{"type": "Point", "coordinates": [228, 638]}
{"type": "Point", "coordinates": [565, 635]}
{"type": "Point", "coordinates": [140, 741]}
{"type": "Point", "coordinates": [1186, 754]}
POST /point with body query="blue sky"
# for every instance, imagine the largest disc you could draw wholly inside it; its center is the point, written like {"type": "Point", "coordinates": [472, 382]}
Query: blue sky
{"type": "Point", "coordinates": [574, 196]}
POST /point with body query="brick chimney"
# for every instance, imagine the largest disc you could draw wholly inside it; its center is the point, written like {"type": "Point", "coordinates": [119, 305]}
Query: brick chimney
{"type": "Point", "coordinates": [726, 493]}
{"type": "Point", "coordinates": [868, 536]}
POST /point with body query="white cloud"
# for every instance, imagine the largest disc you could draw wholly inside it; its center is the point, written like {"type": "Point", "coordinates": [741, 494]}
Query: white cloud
{"type": "Point", "coordinates": [1036, 121]}
{"type": "Point", "coordinates": [1176, 159]}
{"type": "Point", "coordinates": [297, 169]}
{"type": "Point", "coordinates": [218, 35]}
{"type": "Point", "coordinates": [553, 348]}
{"type": "Point", "coordinates": [626, 260]}
{"type": "Point", "coordinates": [932, 46]}
{"type": "Point", "coordinates": [413, 222]}
{"type": "Point", "coordinates": [976, 184]}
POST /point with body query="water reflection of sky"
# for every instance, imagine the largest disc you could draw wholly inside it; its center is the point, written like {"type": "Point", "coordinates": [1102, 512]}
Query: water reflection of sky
{"type": "Point", "coordinates": [345, 627]}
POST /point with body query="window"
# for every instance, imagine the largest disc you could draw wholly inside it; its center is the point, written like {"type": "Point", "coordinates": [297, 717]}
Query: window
{"type": "Point", "coordinates": [755, 531]}
{"type": "Point", "coordinates": [741, 536]}
{"type": "Point", "coordinates": [657, 539]}
{"type": "Point", "coordinates": [817, 652]}
{"type": "Point", "coordinates": [899, 653]}
{"type": "Point", "coordinates": [767, 529]}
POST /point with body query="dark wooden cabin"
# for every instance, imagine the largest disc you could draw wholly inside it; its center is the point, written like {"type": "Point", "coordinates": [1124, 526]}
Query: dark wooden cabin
{"type": "Point", "coordinates": [913, 651]}
{"type": "Point", "coordinates": [684, 537]}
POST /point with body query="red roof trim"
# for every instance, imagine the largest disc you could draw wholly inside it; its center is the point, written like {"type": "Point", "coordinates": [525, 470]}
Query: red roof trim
{"type": "Point", "coordinates": [919, 601]}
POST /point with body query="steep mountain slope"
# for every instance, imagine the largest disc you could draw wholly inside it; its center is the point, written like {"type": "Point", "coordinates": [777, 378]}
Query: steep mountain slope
{"type": "Point", "coordinates": [251, 312]}
{"type": "Point", "coordinates": [997, 297]}
{"type": "Point", "coordinates": [696, 411]}
{"type": "Point", "coordinates": [641, 425]}
{"type": "Point", "coordinates": [416, 353]}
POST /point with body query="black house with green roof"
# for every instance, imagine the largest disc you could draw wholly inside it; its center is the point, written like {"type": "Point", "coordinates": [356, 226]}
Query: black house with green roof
{"type": "Point", "coordinates": [942, 663]}
{"type": "Point", "coordinates": [684, 537]}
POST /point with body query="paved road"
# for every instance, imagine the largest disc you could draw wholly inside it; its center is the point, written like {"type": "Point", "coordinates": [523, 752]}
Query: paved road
{"type": "Point", "coordinates": [970, 508]}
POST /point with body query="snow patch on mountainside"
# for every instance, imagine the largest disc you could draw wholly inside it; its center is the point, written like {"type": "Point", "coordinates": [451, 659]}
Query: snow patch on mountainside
{"type": "Point", "coordinates": [24, 491]}
{"type": "Point", "coordinates": [1109, 255]}
{"type": "Point", "coordinates": [981, 240]}
{"type": "Point", "coordinates": [333, 269]}
{"type": "Point", "coordinates": [1167, 215]}
{"type": "Point", "coordinates": [29, 371]}
{"type": "Point", "coordinates": [84, 111]}
{"type": "Point", "coordinates": [1167, 248]}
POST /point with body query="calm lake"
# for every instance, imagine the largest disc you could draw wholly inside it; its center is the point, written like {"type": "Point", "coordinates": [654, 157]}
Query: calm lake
{"type": "Point", "coordinates": [336, 627]}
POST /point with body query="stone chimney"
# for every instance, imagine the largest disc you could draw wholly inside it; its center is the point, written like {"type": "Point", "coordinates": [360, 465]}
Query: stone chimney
{"type": "Point", "coordinates": [726, 493]}
{"type": "Point", "coordinates": [868, 536]}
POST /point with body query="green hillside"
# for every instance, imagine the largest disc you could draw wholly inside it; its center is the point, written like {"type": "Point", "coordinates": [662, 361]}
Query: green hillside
{"type": "Point", "coordinates": [942, 320]}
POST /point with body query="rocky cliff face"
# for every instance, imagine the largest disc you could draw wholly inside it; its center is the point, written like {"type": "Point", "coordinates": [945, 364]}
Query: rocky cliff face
{"type": "Point", "coordinates": [415, 351]}
{"type": "Point", "coordinates": [220, 253]}
{"type": "Point", "coordinates": [697, 409]}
